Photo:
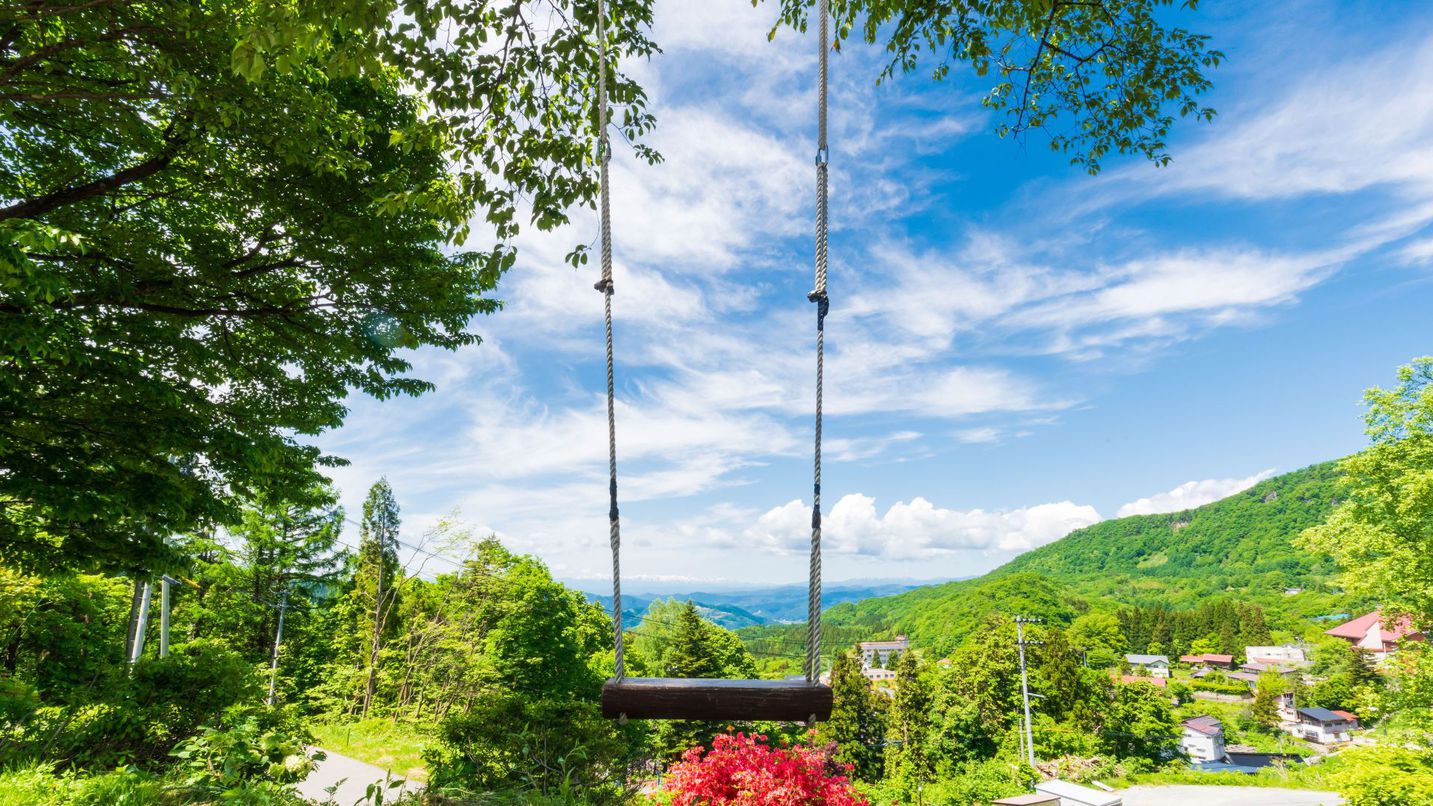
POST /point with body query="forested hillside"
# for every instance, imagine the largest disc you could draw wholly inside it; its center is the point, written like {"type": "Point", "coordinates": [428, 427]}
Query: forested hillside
{"type": "Point", "coordinates": [1239, 547]}
{"type": "Point", "coordinates": [1239, 544]}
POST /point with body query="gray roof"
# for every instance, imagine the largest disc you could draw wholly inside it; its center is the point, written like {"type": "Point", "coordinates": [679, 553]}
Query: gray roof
{"type": "Point", "coordinates": [1321, 714]}
{"type": "Point", "coordinates": [1224, 766]}
{"type": "Point", "coordinates": [1145, 660]}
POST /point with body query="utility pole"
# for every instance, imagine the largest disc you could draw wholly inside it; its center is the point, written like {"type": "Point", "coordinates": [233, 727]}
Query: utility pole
{"type": "Point", "coordinates": [164, 615]}
{"type": "Point", "coordinates": [1020, 622]}
{"type": "Point", "coordinates": [140, 623]}
{"type": "Point", "coordinates": [278, 639]}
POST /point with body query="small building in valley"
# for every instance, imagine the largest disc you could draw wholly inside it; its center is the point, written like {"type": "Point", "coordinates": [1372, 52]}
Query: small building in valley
{"type": "Point", "coordinates": [1203, 739]}
{"type": "Point", "coordinates": [883, 653]}
{"type": "Point", "coordinates": [1152, 665]}
{"type": "Point", "coordinates": [1324, 726]}
{"type": "Point", "coordinates": [1285, 655]}
{"type": "Point", "coordinates": [875, 674]}
{"type": "Point", "coordinates": [1208, 660]}
{"type": "Point", "coordinates": [1371, 633]}
{"type": "Point", "coordinates": [1157, 682]}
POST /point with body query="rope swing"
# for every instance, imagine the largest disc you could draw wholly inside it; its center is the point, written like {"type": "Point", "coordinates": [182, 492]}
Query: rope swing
{"type": "Point", "coordinates": [680, 698]}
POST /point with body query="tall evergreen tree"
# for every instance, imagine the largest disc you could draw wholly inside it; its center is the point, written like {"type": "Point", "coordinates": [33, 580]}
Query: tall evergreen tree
{"type": "Point", "coordinates": [1229, 636]}
{"type": "Point", "coordinates": [858, 720]}
{"type": "Point", "coordinates": [280, 550]}
{"type": "Point", "coordinates": [698, 648]}
{"type": "Point", "coordinates": [377, 579]}
{"type": "Point", "coordinates": [1253, 630]}
{"type": "Point", "coordinates": [909, 724]}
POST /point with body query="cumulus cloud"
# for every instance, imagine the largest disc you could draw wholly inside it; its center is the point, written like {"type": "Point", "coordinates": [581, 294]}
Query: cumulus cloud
{"type": "Point", "coordinates": [916, 529]}
{"type": "Point", "coordinates": [1191, 494]}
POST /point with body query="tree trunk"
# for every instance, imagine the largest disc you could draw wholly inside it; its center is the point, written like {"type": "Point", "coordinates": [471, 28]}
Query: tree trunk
{"type": "Point", "coordinates": [133, 618]}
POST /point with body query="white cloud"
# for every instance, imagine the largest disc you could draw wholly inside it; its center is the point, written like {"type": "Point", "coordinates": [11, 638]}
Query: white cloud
{"type": "Point", "coordinates": [1191, 494]}
{"type": "Point", "coordinates": [916, 529]}
{"type": "Point", "coordinates": [1343, 127]}
{"type": "Point", "coordinates": [978, 436]}
{"type": "Point", "coordinates": [1418, 253]}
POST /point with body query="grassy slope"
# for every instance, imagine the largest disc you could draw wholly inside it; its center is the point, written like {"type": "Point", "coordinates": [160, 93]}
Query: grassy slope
{"type": "Point", "coordinates": [1237, 547]}
{"type": "Point", "coordinates": [395, 746]}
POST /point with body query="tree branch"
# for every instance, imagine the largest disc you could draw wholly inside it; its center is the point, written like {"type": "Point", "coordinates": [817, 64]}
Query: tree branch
{"type": "Point", "coordinates": [32, 208]}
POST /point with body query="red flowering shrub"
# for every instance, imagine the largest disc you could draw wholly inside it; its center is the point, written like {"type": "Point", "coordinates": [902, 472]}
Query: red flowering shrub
{"type": "Point", "coordinates": [742, 769]}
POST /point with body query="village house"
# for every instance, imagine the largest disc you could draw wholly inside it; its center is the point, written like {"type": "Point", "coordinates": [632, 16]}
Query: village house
{"type": "Point", "coordinates": [1203, 739]}
{"type": "Point", "coordinates": [1259, 667]}
{"type": "Point", "coordinates": [1208, 660]}
{"type": "Point", "coordinates": [876, 674]}
{"type": "Point", "coordinates": [1152, 665]}
{"type": "Point", "coordinates": [1286, 655]}
{"type": "Point", "coordinates": [1370, 633]}
{"type": "Point", "coordinates": [1324, 726]}
{"type": "Point", "coordinates": [883, 653]}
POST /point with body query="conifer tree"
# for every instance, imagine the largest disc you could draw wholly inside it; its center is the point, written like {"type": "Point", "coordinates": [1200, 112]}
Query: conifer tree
{"type": "Point", "coordinates": [858, 720]}
{"type": "Point", "coordinates": [377, 579]}
{"type": "Point", "coordinates": [1253, 630]}
{"type": "Point", "coordinates": [691, 654]}
{"type": "Point", "coordinates": [909, 724]}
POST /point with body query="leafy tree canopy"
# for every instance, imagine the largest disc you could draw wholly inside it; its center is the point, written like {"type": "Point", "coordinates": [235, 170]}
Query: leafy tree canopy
{"type": "Point", "coordinates": [1382, 534]}
{"type": "Point", "coordinates": [216, 220]}
{"type": "Point", "coordinates": [1101, 77]}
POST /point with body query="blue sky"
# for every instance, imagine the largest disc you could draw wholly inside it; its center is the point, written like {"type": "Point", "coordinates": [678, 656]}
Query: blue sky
{"type": "Point", "coordinates": [1016, 349]}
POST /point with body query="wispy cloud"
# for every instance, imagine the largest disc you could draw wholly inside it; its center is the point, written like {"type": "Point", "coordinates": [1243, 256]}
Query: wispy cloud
{"type": "Point", "coordinates": [956, 324]}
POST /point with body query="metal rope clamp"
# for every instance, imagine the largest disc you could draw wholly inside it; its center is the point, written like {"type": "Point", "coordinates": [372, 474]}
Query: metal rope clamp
{"type": "Point", "coordinates": [823, 155]}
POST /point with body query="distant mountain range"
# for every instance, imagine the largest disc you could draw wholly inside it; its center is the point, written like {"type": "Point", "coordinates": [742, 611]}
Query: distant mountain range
{"type": "Point", "coordinates": [1239, 547]}
{"type": "Point", "coordinates": [749, 607]}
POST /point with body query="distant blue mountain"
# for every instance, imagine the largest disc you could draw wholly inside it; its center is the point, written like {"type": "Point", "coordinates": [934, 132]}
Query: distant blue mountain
{"type": "Point", "coordinates": [750, 607]}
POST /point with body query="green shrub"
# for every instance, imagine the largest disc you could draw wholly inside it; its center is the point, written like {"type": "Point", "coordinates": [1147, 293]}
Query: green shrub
{"type": "Point", "coordinates": [542, 747]}
{"type": "Point", "coordinates": [1219, 684]}
{"type": "Point", "coordinates": [262, 761]}
{"type": "Point", "coordinates": [143, 718]}
{"type": "Point", "coordinates": [1384, 776]}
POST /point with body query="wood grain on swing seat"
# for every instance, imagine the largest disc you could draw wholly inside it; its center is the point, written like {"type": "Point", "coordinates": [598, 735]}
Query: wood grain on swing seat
{"type": "Point", "coordinates": [715, 700]}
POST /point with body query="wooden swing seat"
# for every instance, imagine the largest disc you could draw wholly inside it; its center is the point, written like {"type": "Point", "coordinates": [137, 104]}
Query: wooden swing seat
{"type": "Point", "coordinates": [715, 700]}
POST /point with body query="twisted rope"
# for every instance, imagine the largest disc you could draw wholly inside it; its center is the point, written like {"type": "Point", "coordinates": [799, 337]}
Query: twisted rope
{"type": "Point", "coordinates": [605, 286]}
{"type": "Point", "coordinates": [818, 296]}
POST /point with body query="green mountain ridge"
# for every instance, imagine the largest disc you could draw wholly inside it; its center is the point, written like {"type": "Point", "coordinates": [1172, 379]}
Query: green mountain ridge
{"type": "Point", "coordinates": [1239, 547]}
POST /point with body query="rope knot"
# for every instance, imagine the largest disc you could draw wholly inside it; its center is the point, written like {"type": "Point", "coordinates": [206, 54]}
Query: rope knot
{"type": "Point", "coordinates": [823, 303]}
{"type": "Point", "coordinates": [604, 285]}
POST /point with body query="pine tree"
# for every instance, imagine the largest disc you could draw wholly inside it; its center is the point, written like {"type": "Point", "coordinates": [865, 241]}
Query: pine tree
{"type": "Point", "coordinates": [1160, 642]}
{"type": "Point", "coordinates": [1253, 630]}
{"type": "Point", "coordinates": [288, 547]}
{"type": "Point", "coordinates": [377, 580]}
{"type": "Point", "coordinates": [1229, 636]}
{"type": "Point", "coordinates": [693, 652]}
{"type": "Point", "coordinates": [909, 723]}
{"type": "Point", "coordinates": [858, 721]}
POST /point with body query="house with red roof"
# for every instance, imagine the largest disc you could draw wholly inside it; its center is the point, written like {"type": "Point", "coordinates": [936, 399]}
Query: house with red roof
{"type": "Point", "coordinates": [1207, 660]}
{"type": "Point", "coordinates": [1371, 633]}
{"type": "Point", "coordinates": [1203, 739]}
